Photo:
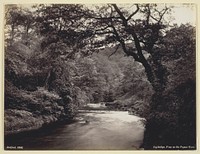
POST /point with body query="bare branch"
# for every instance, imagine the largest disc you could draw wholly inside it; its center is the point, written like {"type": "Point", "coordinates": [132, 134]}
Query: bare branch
{"type": "Point", "coordinates": [111, 10]}
{"type": "Point", "coordinates": [148, 14]}
{"type": "Point", "coordinates": [105, 18]}
{"type": "Point", "coordinates": [114, 51]}
{"type": "Point", "coordinates": [161, 15]}
{"type": "Point", "coordinates": [135, 56]}
{"type": "Point", "coordinates": [133, 13]}
{"type": "Point", "coordinates": [154, 18]}
{"type": "Point", "coordinates": [120, 14]}
{"type": "Point", "coordinates": [102, 29]}
{"type": "Point", "coordinates": [128, 52]}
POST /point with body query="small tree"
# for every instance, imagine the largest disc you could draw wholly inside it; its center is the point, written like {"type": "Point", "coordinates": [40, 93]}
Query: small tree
{"type": "Point", "coordinates": [19, 24]}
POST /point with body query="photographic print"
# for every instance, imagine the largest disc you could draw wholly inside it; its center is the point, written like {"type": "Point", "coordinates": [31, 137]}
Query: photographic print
{"type": "Point", "coordinates": [103, 76]}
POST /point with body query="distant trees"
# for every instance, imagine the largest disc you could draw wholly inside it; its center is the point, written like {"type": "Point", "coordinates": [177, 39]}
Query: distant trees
{"type": "Point", "coordinates": [13, 19]}
{"type": "Point", "coordinates": [97, 77]}
{"type": "Point", "coordinates": [120, 26]}
{"type": "Point", "coordinates": [19, 23]}
{"type": "Point", "coordinates": [47, 48]}
{"type": "Point", "coordinates": [146, 39]}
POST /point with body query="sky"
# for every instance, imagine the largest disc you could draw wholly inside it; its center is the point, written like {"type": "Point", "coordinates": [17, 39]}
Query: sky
{"type": "Point", "coordinates": [181, 13]}
{"type": "Point", "coordinates": [184, 14]}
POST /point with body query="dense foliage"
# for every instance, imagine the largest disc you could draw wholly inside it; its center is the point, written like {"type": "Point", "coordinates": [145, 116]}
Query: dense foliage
{"type": "Point", "coordinates": [172, 120]}
{"type": "Point", "coordinates": [60, 57]}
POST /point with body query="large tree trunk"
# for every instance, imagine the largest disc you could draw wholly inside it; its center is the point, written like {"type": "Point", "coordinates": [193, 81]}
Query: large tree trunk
{"type": "Point", "coordinates": [162, 123]}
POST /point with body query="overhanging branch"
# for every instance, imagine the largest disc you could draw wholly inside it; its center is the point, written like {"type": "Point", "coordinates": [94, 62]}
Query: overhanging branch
{"type": "Point", "coordinates": [161, 15]}
{"type": "Point", "coordinates": [133, 13]}
{"type": "Point", "coordinates": [120, 14]}
{"type": "Point", "coordinates": [102, 29]}
{"type": "Point", "coordinates": [114, 51]}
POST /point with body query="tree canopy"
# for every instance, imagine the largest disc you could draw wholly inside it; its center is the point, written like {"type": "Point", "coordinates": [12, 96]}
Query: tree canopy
{"type": "Point", "coordinates": [76, 54]}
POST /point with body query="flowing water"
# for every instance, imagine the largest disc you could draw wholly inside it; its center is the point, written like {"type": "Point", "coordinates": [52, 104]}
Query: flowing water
{"type": "Point", "coordinates": [92, 130]}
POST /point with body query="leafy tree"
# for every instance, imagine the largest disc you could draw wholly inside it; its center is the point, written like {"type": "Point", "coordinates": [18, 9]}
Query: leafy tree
{"type": "Point", "coordinates": [13, 19]}
{"type": "Point", "coordinates": [179, 48]}
{"type": "Point", "coordinates": [119, 25]}
{"type": "Point", "coordinates": [67, 32]}
{"type": "Point", "coordinates": [28, 68]}
{"type": "Point", "coordinates": [19, 23]}
{"type": "Point", "coordinates": [142, 38]}
{"type": "Point", "coordinates": [65, 25]}
{"type": "Point", "coordinates": [172, 120]}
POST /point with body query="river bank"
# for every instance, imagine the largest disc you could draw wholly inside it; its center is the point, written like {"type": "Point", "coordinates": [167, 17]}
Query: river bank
{"type": "Point", "coordinates": [91, 130]}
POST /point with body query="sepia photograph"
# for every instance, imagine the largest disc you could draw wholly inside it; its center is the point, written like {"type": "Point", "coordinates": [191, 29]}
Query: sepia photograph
{"type": "Point", "coordinates": [107, 76]}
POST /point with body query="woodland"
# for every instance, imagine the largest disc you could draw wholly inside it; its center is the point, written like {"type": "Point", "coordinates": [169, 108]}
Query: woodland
{"type": "Point", "coordinates": [60, 57]}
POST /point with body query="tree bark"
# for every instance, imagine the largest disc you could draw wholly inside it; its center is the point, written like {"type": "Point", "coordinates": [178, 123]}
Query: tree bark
{"type": "Point", "coordinates": [153, 72]}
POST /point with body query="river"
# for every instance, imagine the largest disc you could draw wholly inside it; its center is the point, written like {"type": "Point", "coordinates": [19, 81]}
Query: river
{"type": "Point", "coordinates": [93, 129]}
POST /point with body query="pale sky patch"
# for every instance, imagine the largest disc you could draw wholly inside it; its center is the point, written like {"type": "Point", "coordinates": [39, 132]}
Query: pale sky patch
{"type": "Point", "coordinates": [181, 13]}
{"type": "Point", "coordinates": [184, 14]}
